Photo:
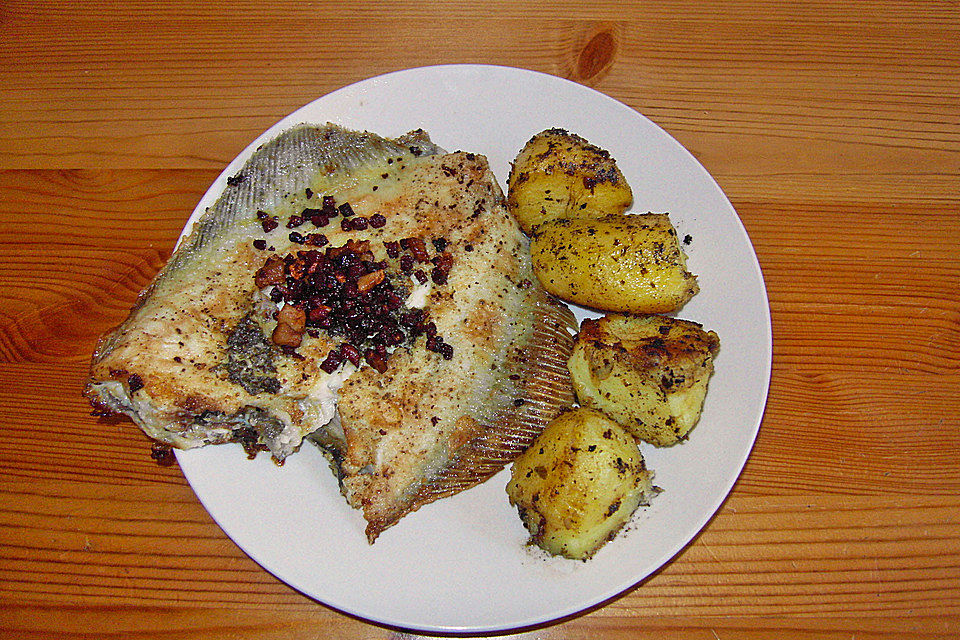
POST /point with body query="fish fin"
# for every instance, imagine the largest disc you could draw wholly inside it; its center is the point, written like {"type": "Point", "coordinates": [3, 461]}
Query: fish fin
{"type": "Point", "coordinates": [545, 393]}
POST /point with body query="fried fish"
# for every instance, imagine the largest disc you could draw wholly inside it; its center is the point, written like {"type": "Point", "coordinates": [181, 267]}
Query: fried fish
{"type": "Point", "coordinates": [370, 293]}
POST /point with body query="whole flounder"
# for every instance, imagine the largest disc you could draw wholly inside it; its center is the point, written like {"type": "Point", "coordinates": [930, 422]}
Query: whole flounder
{"type": "Point", "coordinates": [372, 294]}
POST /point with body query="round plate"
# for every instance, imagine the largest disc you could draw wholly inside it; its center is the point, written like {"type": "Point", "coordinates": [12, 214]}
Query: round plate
{"type": "Point", "coordinates": [461, 564]}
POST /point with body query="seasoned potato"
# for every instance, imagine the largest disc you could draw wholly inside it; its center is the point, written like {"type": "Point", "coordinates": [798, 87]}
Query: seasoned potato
{"type": "Point", "coordinates": [650, 373]}
{"type": "Point", "coordinates": [626, 263]}
{"type": "Point", "coordinates": [578, 483]}
{"type": "Point", "coordinates": [560, 175]}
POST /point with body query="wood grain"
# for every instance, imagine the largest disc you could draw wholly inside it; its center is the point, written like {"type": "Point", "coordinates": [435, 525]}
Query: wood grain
{"type": "Point", "coordinates": [834, 128]}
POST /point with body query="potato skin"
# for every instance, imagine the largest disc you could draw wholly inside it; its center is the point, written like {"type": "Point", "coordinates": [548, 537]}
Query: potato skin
{"type": "Point", "coordinates": [558, 174]}
{"type": "Point", "coordinates": [578, 483]}
{"type": "Point", "coordinates": [650, 374]}
{"type": "Point", "coordinates": [622, 263]}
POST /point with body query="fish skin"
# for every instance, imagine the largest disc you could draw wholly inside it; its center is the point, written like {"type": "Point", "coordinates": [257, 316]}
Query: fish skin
{"type": "Point", "coordinates": [424, 429]}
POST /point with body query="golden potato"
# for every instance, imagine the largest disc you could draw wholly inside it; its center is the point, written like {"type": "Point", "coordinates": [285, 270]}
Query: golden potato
{"type": "Point", "coordinates": [650, 373]}
{"type": "Point", "coordinates": [578, 483]}
{"type": "Point", "coordinates": [560, 175]}
{"type": "Point", "coordinates": [626, 263]}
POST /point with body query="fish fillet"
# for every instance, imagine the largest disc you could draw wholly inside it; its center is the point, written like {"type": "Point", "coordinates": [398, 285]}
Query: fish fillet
{"type": "Point", "coordinates": [458, 394]}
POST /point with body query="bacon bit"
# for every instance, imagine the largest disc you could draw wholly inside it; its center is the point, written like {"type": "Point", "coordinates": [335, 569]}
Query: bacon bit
{"type": "Point", "coordinates": [272, 272]}
{"type": "Point", "coordinates": [443, 261]}
{"type": "Point", "coordinates": [293, 316]}
{"type": "Point", "coordinates": [291, 322]}
{"type": "Point", "coordinates": [418, 248]}
{"type": "Point", "coordinates": [350, 352]}
{"type": "Point", "coordinates": [285, 336]}
{"type": "Point", "coordinates": [369, 281]}
{"type": "Point", "coordinates": [376, 360]}
{"type": "Point", "coordinates": [317, 239]}
{"type": "Point", "coordinates": [163, 454]}
{"type": "Point", "coordinates": [296, 269]}
{"type": "Point", "coordinates": [358, 246]}
{"type": "Point", "coordinates": [319, 312]}
{"type": "Point", "coordinates": [135, 383]}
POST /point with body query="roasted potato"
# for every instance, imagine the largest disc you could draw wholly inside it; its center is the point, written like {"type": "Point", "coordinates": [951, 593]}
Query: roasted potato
{"type": "Point", "coordinates": [560, 175]}
{"type": "Point", "coordinates": [578, 483]}
{"type": "Point", "coordinates": [623, 262]}
{"type": "Point", "coordinates": [650, 373]}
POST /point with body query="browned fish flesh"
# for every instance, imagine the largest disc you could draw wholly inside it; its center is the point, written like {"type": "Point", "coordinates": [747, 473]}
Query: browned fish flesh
{"type": "Point", "coordinates": [371, 293]}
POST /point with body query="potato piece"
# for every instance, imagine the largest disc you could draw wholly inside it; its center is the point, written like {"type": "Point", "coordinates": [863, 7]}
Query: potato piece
{"type": "Point", "coordinates": [650, 373]}
{"type": "Point", "coordinates": [578, 483]}
{"type": "Point", "coordinates": [560, 175]}
{"type": "Point", "coordinates": [626, 263]}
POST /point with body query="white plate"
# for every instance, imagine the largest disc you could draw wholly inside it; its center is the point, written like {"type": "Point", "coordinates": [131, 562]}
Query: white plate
{"type": "Point", "coordinates": [460, 564]}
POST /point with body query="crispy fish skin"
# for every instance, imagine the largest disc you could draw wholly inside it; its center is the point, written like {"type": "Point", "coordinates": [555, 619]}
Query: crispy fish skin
{"type": "Point", "coordinates": [426, 427]}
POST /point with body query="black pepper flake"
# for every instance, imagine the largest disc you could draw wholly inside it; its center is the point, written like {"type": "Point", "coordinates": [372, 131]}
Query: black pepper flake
{"type": "Point", "coordinates": [687, 239]}
{"type": "Point", "coordinates": [233, 181]}
{"type": "Point", "coordinates": [519, 402]}
{"type": "Point", "coordinates": [309, 192]}
{"type": "Point", "coordinates": [468, 247]}
{"type": "Point", "coordinates": [440, 243]}
{"type": "Point", "coordinates": [135, 383]}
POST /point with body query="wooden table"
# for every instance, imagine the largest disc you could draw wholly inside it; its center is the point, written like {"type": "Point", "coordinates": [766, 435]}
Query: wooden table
{"type": "Point", "coordinates": [834, 128]}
